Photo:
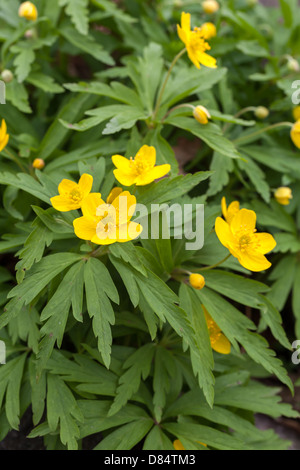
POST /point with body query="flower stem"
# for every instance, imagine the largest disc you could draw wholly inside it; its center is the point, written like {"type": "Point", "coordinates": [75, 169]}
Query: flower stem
{"type": "Point", "coordinates": [208, 268]}
{"type": "Point", "coordinates": [15, 159]}
{"type": "Point", "coordinates": [185, 105]}
{"type": "Point", "coordinates": [262, 131]}
{"type": "Point", "coordinates": [101, 251]}
{"type": "Point", "coordinates": [160, 96]}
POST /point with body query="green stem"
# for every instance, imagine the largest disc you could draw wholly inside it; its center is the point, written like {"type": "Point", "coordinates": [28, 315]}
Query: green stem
{"type": "Point", "coordinates": [262, 131]}
{"type": "Point", "coordinates": [177, 107]}
{"type": "Point", "coordinates": [160, 96]}
{"type": "Point", "coordinates": [101, 251]}
{"type": "Point", "coordinates": [15, 159]}
{"type": "Point", "coordinates": [208, 268]}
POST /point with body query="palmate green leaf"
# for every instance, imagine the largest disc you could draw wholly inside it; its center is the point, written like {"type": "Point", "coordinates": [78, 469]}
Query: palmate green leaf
{"type": "Point", "coordinates": [38, 392]}
{"type": "Point", "coordinates": [96, 416]}
{"type": "Point", "coordinates": [271, 157]}
{"type": "Point", "coordinates": [56, 313]}
{"type": "Point", "coordinates": [11, 375]}
{"type": "Point", "coordinates": [164, 152]}
{"type": "Point", "coordinates": [128, 253]}
{"type": "Point", "coordinates": [236, 327]}
{"type": "Point", "coordinates": [26, 328]}
{"type": "Point", "coordinates": [27, 183]}
{"type": "Point", "coordinates": [44, 82]}
{"type": "Point", "coordinates": [127, 436]}
{"type": "Point", "coordinates": [221, 168]}
{"type": "Point", "coordinates": [157, 440]}
{"type": "Point", "coordinates": [257, 178]}
{"type": "Point", "coordinates": [273, 215]}
{"type": "Point", "coordinates": [198, 432]}
{"type": "Point", "coordinates": [235, 287]}
{"type": "Point", "coordinates": [296, 300]}
{"type": "Point", "coordinates": [63, 410]}
{"type": "Point", "coordinates": [279, 292]}
{"type": "Point", "coordinates": [138, 366]}
{"type": "Point", "coordinates": [171, 188]}
{"type": "Point", "coordinates": [273, 319]}
{"type": "Point", "coordinates": [164, 370]}
{"type": "Point", "coordinates": [78, 11]}
{"type": "Point", "coordinates": [55, 222]}
{"type": "Point", "coordinates": [111, 9]}
{"type": "Point", "coordinates": [211, 134]}
{"type": "Point", "coordinates": [23, 61]}
{"type": "Point", "coordinates": [202, 357]}
{"type": "Point", "coordinates": [17, 95]}
{"type": "Point", "coordinates": [114, 90]}
{"type": "Point", "coordinates": [86, 44]}
{"type": "Point", "coordinates": [71, 110]}
{"type": "Point", "coordinates": [33, 249]}
{"type": "Point", "coordinates": [99, 288]}
{"type": "Point", "coordinates": [189, 81]}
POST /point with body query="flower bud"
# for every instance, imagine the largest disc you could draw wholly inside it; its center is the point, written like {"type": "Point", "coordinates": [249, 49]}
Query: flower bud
{"type": "Point", "coordinates": [296, 113]}
{"type": "Point", "coordinates": [208, 30]}
{"type": "Point", "coordinates": [293, 65]}
{"type": "Point", "coordinates": [197, 281]}
{"type": "Point", "coordinates": [210, 6]}
{"type": "Point", "coordinates": [7, 76]}
{"type": "Point", "coordinates": [30, 33]}
{"type": "Point", "coordinates": [283, 195]}
{"type": "Point", "coordinates": [261, 112]}
{"type": "Point", "coordinates": [28, 10]}
{"type": "Point", "coordinates": [38, 163]}
{"type": "Point", "coordinates": [201, 114]}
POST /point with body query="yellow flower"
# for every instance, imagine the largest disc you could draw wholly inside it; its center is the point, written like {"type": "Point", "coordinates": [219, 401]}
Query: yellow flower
{"type": "Point", "coordinates": [179, 446]}
{"type": "Point", "coordinates": [296, 113]}
{"type": "Point", "coordinates": [141, 170]}
{"type": "Point", "coordinates": [201, 114]}
{"type": "Point", "coordinates": [106, 223]}
{"type": "Point", "coordinates": [210, 6]}
{"type": "Point", "coordinates": [197, 281]}
{"type": "Point", "coordinates": [195, 42]}
{"type": "Point", "coordinates": [38, 163]}
{"type": "Point", "coordinates": [218, 341]}
{"type": "Point", "coordinates": [295, 133]}
{"type": "Point", "coordinates": [232, 209]}
{"type": "Point", "coordinates": [208, 30]}
{"type": "Point", "coordinates": [71, 195]}
{"type": "Point", "coordinates": [4, 137]}
{"type": "Point", "coordinates": [28, 10]}
{"type": "Point", "coordinates": [241, 239]}
{"type": "Point", "coordinates": [283, 195]}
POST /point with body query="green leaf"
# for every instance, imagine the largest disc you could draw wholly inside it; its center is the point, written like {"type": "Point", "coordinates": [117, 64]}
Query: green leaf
{"type": "Point", "coordinates": [78, 11]}
{"type": "Point", "coordinates": [127, 436]}
{"type": "Point", "coordinates": [63, 410]}
{"type": "Point", "coordinates": [138, 366]}
{"type": "Point", "coordinates": [99, 286]}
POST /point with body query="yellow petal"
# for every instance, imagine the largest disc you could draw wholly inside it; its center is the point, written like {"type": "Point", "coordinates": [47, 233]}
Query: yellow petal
{"type": "Point", "coordinates": [193, 57]}
{"type": "Point", "coordinates": [128, 232]}
{"type": "Point", "coordinates": [207, 60]}
{"type": "Point", "coordinates": [106, 241]}
{"type": "Point", "coordinates": [85, 184]}
{"type": "Point", "coordinates": [66, 186]}
{"type": "Point", "coordinates": [4, 142]}
{"type": "Point", "coordinates": [186, 21]}
{"type": "Point", "coordinates": [223, 232]}
{"type": "Point", "coordinates": [64, 204]}
{"type": "Point", "coordinates": [222, 345]}
{"type": "Point", "coordinates": [122, 163]}
{"type": "Point", "coordinates": [113, 195]}
{"type": "Point", "coordinates": [3, 129]}
{"type": "Point", "coordinates": [90, 204]}
{"type": "Point", "coordinates": [146, 156]}
{"type": "Point", "coordinates": [125, 205]}
{"type": "Point", "coordinates": [125, 179]}
{"type": "Point", "coordinates": [182, 34]}
{"type": "Point", "coordinates": [244, 218]}
{"type": "Point", "coordinates": [295, 134]}
{"type": "Point", "coordinates": [224, 207]}
{"type": "Point", "coordinates": [84, 228]}
{"type": "Point", "coordinates": [156, 172]}
{"type": "Point", "coordinates": [266, 242]}
{"type": "Point", "coordinates": [254, 261]}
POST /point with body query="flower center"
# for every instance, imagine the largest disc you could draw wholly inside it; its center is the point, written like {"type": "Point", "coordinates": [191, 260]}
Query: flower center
{"type": "Point", "coordinates": [75, 195]}
{"type": "Point", "coordinates": [139, 165]}
{"type": "Point", "coordinates": [106, 230]}
{"type": "Point", "coordinates": [197, 41]}
{"type": "Point", "coordinates": [246, 238]}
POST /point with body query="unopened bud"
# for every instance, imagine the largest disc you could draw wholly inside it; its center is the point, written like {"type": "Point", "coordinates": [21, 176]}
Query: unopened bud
{"type": "Point", "coordinates": [293, 65]}
{"type": "Point", "coordinates": [197, 281]}
{"type": "Point", "coordinates": [283, 195]}
{"type": "Point", "coordinates": [38, 163]}
{"type": "Point", "coordinates": [210, 6]}
{"type": "Point", "coordinates": [261, 112]}
{"type": "Point", "coordinates": [201, 114]}
{"type": "Point", "coordinates": [7, 76]}
{"type": "Point", "coordinates": [28, 10]}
